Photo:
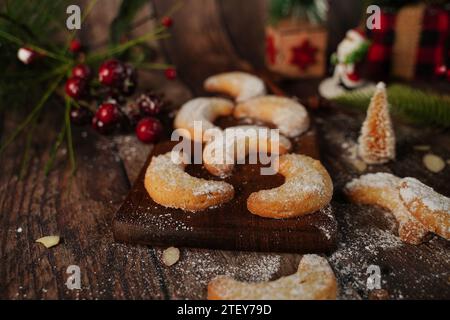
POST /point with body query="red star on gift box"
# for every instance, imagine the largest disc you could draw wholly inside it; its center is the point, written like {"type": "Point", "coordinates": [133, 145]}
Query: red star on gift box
{"type": "Point", "coordinates": [304, 55]}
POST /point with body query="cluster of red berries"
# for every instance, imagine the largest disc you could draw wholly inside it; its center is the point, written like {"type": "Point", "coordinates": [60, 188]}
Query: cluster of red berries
{"type": "Point", "coordinates": [118, 80]}
{"type": "Point", "coordinates": [443, 72]}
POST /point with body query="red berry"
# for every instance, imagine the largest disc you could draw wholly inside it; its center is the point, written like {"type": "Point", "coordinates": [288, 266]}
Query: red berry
{"type": "Point", "coordinates": [148, 130]}
{"type": "Point", "coordinates": [170, 73]}
{"type": "Point", "coordinates": [75, 87]}
{"type": "Point", "coordinates": [108, 113]}
{"type": "Point", "coordinates": [167, 21]}
{"type": "Point", "coordinates": [26, 55]}
{"type": "Point", "coordinates": [440, 70]}
{"type": "Point", "coordinates": [112, 73]}
{"type": "Point", "coordinates": [81, 71]}
{"type": "Point", "coordinates": [99, 126]}
{"type": "Point", "coordinates": [75, 46]}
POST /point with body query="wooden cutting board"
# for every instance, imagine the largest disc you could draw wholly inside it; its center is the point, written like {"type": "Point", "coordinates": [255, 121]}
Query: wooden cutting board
{"type": "Point", "coordinates": [230, 226]}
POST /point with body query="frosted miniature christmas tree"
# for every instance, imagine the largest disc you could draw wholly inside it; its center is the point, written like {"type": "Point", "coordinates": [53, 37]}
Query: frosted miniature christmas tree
{"type": "Point", "coordinates": [376, 144]}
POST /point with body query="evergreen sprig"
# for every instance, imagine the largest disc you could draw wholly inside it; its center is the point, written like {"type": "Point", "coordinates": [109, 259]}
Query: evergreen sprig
{"type": "Point", "coordinates": [406, 102]}
{"type": "Point", "coordinates": [313, 11]}
{"type": "Point", "coordinates": [29, 23]}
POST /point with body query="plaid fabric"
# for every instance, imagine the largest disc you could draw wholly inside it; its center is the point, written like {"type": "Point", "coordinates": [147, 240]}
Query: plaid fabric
{"type": "Point", "coordinates": [379, 54]}
{"type": "Point", "coordinates": [433, 50]}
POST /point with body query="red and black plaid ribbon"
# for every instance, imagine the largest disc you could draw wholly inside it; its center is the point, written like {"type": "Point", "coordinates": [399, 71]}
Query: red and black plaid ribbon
{"type": "Point", "coordinates": [380, 51]}
{"type": "Point", "coordinates": [433, 49]}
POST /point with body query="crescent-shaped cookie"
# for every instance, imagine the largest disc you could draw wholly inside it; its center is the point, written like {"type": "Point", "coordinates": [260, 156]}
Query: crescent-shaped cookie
{"type": "Point", "coordinates": [381, 189]}
{"type": "Point", "coordinates": [169, 185]}
{"type": "Point", "coordinates": [314, 280]}
{"type": "Point", "coordinates": [286, 114]}
{"type": "Point", "coordinates": [307, 189]}
{"type": "Point", "coordinates": [240, 85]}
{"type": "Point", "coordinates": [220, 155]}
{"type": "Point", "coordinates": [426, 205]}
{"type": "Point", "coordinates": [201, 111]}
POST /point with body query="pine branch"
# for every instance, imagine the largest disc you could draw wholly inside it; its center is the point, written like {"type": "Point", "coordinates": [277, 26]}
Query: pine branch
{"type": "Point", "coordinates": [56, 146]}
{"type": "Point", "coordinates": [71, 152]}
{"type": "Point", "coordinates": [409, 103]}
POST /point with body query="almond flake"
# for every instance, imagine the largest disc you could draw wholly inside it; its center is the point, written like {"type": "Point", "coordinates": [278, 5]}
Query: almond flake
{"type": "Point", "coordinates": [170, 256]}
{"type": "Point", "coordinates": [433, 163]}
{"type": "Point", "coordinates": [360, 165]}
{"type": "Point", "coordinates": [49, 241]}
{"type": "Point", "coordinates": [422, 148]}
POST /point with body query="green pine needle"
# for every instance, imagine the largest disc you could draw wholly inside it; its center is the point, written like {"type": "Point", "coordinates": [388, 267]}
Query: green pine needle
{"type": "Point", "coordinates": [314, 11]}
{"type": "Point", "coordinates": [56, 145]}
{"type": "Point", "coordinates": [409, 103]}
{"type": "Point", "coordinates": [71, 153]}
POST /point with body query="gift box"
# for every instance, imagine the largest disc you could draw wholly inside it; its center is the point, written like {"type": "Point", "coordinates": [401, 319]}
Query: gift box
{"type": "Point", "coordinates": [411, 43]}
{"type": "Point", "coordinates": [296, 50]}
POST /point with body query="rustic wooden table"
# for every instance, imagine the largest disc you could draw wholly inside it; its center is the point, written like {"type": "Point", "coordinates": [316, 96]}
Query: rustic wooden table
{"type": "Point", "coordinates": [81, 209]}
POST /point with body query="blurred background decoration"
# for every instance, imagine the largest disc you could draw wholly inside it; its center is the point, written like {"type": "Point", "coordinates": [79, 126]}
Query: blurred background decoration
{"type": "Point", "coordinates": [296, 38]}
{"type": "Point", "coordinates": [292, 38]}
{"type": "Point", "coordinates": [413, 41]}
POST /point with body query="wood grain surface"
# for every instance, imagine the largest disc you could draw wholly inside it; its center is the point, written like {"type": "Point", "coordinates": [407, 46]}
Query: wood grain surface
{"type": "Point", "coordinates": [81, 209]}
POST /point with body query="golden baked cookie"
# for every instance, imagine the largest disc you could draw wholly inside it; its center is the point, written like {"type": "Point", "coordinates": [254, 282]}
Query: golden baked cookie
{"type": "Point", "coordinates": [307, 189]}
{"type": "Point", "coordinates": [240, 85]}
{"type": "Point", "coordinates": [314, 280]}
{"type": "Point", "coordinates": [203, 111]}
{"type": "Point", "coordinates": [381, 189]}
{"type": "Point", "coordinates": [221, 154]}
{"type": "Point", "coordinates": [286, 114]}
{"type": "Point", "coordinates": [426, 205]}
{"type": "Point", "coordinates": [169, 185]}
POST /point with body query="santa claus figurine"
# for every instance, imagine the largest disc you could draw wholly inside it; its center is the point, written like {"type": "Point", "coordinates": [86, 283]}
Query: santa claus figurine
{"type": "Point", "coordinates": [347, 60]}
{"type": "Point", "coordinates": [350, 52]}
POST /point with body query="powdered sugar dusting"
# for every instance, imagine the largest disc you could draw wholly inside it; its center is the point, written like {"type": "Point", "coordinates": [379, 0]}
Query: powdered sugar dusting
{"type": "Point", "coordinates": [374, 180]}
{"type": "Point", "coordinates": [314, 280]}
{"type": "Point", "coordinates": [201, 266]}
{"type": "Point", "coordinates": [172, 173]}
{"type": "Point", "coordinates": [412, 190]}
{"type": "Point", "coordinates": [244, 85]}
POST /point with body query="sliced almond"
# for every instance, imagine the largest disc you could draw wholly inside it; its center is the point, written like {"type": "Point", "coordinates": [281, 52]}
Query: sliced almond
{"type": "Point", "coordinates": [170, 256]}
{"type": "Point", "coordinates": [359, 165]}
{"type": "Point", "coordinates": [422, 148]}
{"type": "Point", "coordinates": [433, 163]}
{"type": "Point", "coordinates": [49, 241]}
